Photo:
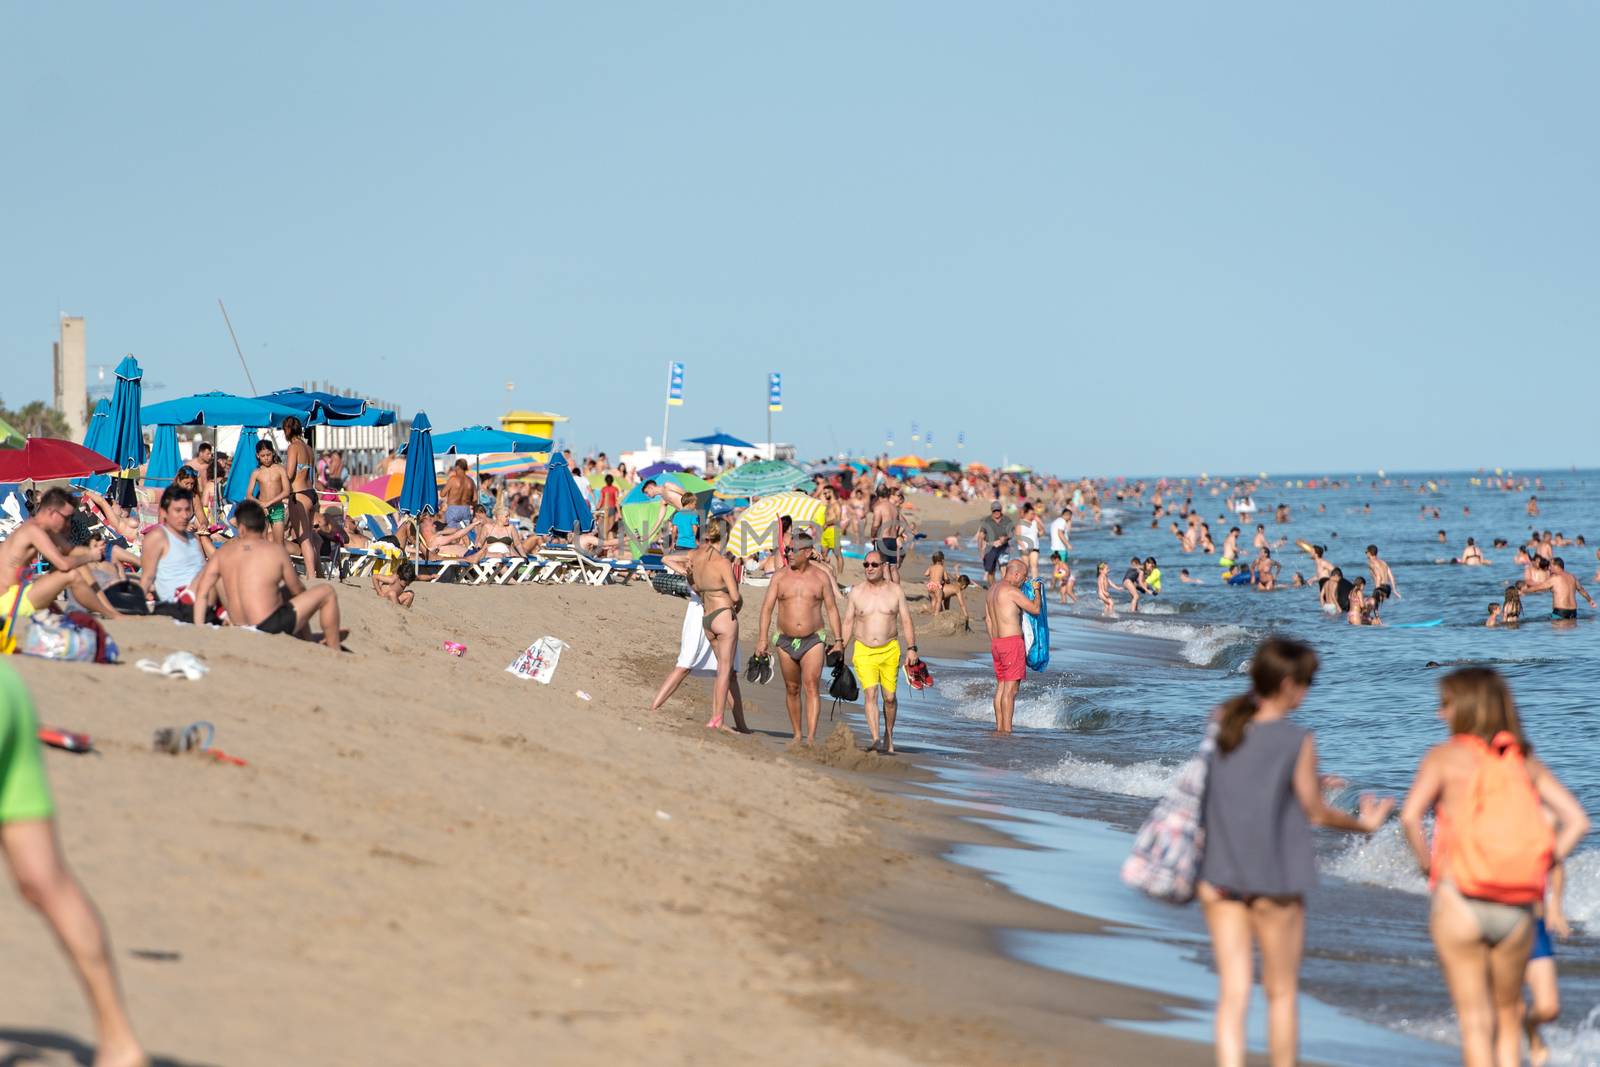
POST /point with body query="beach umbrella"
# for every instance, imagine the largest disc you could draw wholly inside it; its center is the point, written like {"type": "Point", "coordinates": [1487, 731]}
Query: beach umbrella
{"type": "Point", "coordinates": [10, 438]}
{"type": "Point", "coordinates": [719, 439]}
{"type": "Point", "coordinates": [215, 409]}
{"type": "Point", "coordinates": [124, 441]}
{"type": "Point", "coordinates": [909, 462]}
{"type": "Point", "coordinates": [641, 518]}
{"type": "Point", "coordinates": [44, 459]}
{"type": "Point", "coordinates": [420, 493]}
{"type": "Point", "coordinates": [476, 440]}
{"type": "Point", "coordinates": [317, 409]}
{"type": "Point", "coordinates": [943, 466]}
{"type": "Point", "coordinates": [977, 468]}
{"type": "Point", "coordinates": [761, 477]}
{"type": "Point", "coordinates": [385, 487]}
{"type": "Point", "coordinates": [757, 529]}
{"type": "Point", "coordinates": [358, 504]}
{"type": "Point", "coordinates": [163, 465]}
{"type": "Point", "coordinates": [508, 464]}
{"type": "Point", "coordinates": [660, 466]}
{"type": "Point", "coordinates": [244, 465]}
{"type": "Point", "coordinates": [94, 438]}
{"type": "Point", "coordinates": [562, 507]}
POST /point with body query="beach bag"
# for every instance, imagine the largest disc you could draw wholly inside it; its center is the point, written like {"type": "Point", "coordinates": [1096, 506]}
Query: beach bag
{"type": "Point", "coordinates": [670, 584]}
{"type": "Point", "coordinates": [76, 637]}
{"type": "Point", "coordinates": [844, 686]}
{"type": "Point", "coordinates": [1165, 862]}
{"type": "Point", "coordinates": [1036, 631]}
{"type": "Point", "coordinates": [538, 661]}
{"type": "Point", "coordinates": [1500, 844]}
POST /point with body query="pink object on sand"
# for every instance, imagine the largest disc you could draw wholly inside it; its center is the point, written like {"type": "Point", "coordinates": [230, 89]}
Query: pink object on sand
{"type": "Point", "coordinates": [455, 648]}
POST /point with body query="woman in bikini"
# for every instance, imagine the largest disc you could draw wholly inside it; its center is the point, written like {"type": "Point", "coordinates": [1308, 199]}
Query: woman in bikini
{"type": "Point", "coordinates": [297, 462]}
{"type": "Point", "coordinates": [1483, 945]}
{"type": "Point", "coordinates": [712, 579]}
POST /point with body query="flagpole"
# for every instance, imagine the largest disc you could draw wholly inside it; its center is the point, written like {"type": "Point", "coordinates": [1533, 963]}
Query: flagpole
{"type": "Point", "coordinates": [666, 413]}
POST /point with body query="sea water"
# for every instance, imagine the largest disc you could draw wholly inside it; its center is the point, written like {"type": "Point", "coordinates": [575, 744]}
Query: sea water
{"type": "Point", "coordinates": [1101, 733]}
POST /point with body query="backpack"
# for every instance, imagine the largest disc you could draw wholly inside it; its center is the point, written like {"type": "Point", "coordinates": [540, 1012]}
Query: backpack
{"type": "Point", "coordinates": [1500, 844]}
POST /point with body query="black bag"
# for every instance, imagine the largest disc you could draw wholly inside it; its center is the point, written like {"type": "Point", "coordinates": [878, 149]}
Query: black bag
{"type": "Point", "coordinates": [670, 584]}
{"type": "Point", "coordinates": [121, 493]}
{"type": "Point", "coordinates": [844, 686]}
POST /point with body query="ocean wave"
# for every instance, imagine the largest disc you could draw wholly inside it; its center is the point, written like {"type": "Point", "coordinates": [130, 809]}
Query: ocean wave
{"type": "Point", "coordinates": [1577, 1044]}
{"type": "Point", "coordinates": [1048, 709]}
{"type": "Point", "coordinates": [1200, 644]}
{"type": "Point", "coordinates": [1149, 779]}
{"type": "Point", "coordinates": [1383, 859]}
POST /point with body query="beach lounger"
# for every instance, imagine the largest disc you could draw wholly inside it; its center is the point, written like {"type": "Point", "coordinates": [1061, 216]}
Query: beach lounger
{"type": "Point", "coordinates": [577, 567]}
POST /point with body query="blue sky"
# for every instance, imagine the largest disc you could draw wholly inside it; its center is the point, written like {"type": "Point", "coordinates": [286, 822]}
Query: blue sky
{"type": "Point", "coordinates": [1102, 238]}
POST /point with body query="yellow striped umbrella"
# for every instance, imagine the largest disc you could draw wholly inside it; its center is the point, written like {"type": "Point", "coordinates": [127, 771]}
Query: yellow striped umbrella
{"type": "Point", "coordinates": [757, 529]}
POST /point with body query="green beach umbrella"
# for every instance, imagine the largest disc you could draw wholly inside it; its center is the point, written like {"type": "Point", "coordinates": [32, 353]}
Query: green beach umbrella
{"type": "Point", "coordinates": [10, 438]}
{"type": "Point", "coordinates": [943, 466]}
{"type": "Point", "coordinates": [761, 477]}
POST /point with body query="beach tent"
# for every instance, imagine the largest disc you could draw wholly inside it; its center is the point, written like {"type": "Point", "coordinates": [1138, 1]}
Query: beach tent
{"type": "Point", "coordinates": [420, 493]}
{"type": "Point", "coordinates": [562, 507]}
{"type": "Point", "coordinates": [163, 465]}
{"type": "Point", "coordinates": [761, 477]}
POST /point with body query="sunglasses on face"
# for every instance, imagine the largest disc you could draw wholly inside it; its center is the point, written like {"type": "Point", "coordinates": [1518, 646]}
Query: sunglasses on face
{"type": "Point", "coordinates": [871, 566]}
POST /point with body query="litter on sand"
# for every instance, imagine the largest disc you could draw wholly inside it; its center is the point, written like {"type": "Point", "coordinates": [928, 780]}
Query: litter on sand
{"type": "Point", "coordinates": [538, 661]}
{"type": "Point", "coordinates": [177, 665]}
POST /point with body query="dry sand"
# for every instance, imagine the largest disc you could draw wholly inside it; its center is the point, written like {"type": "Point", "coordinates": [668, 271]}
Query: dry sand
{"type": "Point", "coordinates": [430, 861]}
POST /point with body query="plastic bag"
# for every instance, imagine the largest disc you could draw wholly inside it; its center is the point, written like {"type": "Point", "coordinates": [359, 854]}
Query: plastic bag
{"type": "Point", "coordinates": [538, 661]}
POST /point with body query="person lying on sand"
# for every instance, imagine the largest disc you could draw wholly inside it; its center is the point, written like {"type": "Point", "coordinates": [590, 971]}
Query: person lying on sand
{"type": "Point", "coordinates": [396, 587]}
{"type": "Point", "coordinates": [259, 585]}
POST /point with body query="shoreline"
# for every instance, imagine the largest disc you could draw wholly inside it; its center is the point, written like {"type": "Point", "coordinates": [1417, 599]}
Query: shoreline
{"type": "Point", "coordinates": [429, 860]}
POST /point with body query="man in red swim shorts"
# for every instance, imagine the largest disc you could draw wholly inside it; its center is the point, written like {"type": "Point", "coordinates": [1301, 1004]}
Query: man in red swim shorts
{"type": "Point", "coordinates": [1002, 612]}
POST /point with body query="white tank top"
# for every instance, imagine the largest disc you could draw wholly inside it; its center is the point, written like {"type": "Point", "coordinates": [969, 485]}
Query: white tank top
{"type": "Point", "coordinates": [180, 564]}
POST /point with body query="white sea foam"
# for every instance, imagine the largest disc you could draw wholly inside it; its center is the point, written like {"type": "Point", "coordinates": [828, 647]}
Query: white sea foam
{"type": "Point", "coordinates": [1049, 709]}
{"type": "Point", "coordinates": [1201, 645]}
{"type": "Point", "coordinates": [1148, 779]}
{"type": "Point", "coordinates": [1574, 1045]}
{"type": "Point", "coordinates": [1582, 896]}
{"type": "Point", "coordinates": [1384, 859]}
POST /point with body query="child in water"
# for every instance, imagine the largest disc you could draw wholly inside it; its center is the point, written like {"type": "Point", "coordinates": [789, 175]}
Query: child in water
{"type": "Point", "coordinates": [1102, 574]}
{"type": "Point", "coordinates": [1065, 582]}
{"type": "Point", "coordinates": [1494, 616]}
{"type": "Point", "coordinates": [1152, 576]}
{"type": "Point", "coordinates": [1511, 613]}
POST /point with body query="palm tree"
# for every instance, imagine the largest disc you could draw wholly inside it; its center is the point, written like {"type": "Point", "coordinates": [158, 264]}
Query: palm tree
{"type": "Point", "coordinates": [36, 419]}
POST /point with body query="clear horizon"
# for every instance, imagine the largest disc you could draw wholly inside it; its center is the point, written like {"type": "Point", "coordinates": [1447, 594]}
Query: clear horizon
{"type": "Point", "coordinates": [1092, 240]}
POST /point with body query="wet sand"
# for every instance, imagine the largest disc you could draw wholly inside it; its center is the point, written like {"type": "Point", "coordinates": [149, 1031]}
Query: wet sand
{"type": "Point", "coordinates": [429, 860]}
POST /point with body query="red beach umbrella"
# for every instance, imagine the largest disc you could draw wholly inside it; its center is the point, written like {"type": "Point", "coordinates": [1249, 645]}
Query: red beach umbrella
{"type": "Point", "coordinates": [45, 459]}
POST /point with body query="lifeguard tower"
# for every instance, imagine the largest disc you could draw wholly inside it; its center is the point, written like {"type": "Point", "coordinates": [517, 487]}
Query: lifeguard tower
{"type": "Point", "coordinates": [537, 423]}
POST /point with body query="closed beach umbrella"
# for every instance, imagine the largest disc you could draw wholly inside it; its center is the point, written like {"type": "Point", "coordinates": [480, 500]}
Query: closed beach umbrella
{"type": "Point", "coordinates": [44, 459]}
{"type": "Point", "coordinates": [10, 438]}
{"type": "Point", "coordinates": [420, 493]}
{"type": "Point", "coordinates": [757, 529]}
{"type": "Point", "coordinates": [562, 507]}
{"type": "Point", "coordinates": [762, 477]}
{"type": "Point", "coordinates": [215, 409]}
{"type": "Point", "coordinates": [94, 439]}
{"type": "Point", "coordinates": [124, 441]}
{"type": "Point", "coordinates": [244, 465]}
{"type": "Point", "coordinates": [163, 465]}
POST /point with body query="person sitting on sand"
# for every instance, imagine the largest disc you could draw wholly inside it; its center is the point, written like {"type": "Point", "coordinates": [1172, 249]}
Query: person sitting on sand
{"type": "Point", "coordinates": [935, 577]}
{"type": "Point", "coordinates": [258, 583]}
{"type": "Point", "coordinates": [173, 554]}
{"type": "Point", "coordinates": [396, 587]}
{"type": "Point", "coordinates": [32, 849]}
{"type": "Point", "coordinates": [44, 536]}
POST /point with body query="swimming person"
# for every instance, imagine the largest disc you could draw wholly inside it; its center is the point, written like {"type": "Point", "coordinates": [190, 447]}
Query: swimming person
{"type": "Point", "coordinates": [1263, 797]}
{"type": "Point", "coordinates": [1492, 850]}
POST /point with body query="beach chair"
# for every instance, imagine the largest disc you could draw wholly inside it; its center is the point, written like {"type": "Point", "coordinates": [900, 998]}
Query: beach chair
{"type": "Point", "coordinates": [575, 566]}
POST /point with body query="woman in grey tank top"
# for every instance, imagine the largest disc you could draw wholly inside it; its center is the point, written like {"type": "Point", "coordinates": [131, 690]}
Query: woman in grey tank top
{"type": "Point", "coordinates": [1262, 798]}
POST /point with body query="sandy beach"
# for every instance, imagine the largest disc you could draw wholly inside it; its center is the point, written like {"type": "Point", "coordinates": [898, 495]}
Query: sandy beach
{"type": "Point", "coordinates": [429, 860]}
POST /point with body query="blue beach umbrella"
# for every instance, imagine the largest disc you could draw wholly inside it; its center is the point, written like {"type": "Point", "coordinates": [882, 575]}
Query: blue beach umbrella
{"type": "Point", "coordinates": [214, 409]}
{"type": "Point", "coordinates": [124, 441]}
{"type": "Point", "coordinates": [563, 507]}
{"type": "Point", "coordinates": [420, 492]}
{"type": "Point", "coordinates": [477, 440]}
{"type": "Point", "coordinates": [725, 440]}
{"type": "Point", "coordinates": [163, 465]}
{"type": "Point", "coordinates": [316, 408]}
{"type": "Point", "coordinates": [94, 439]}
{"type": "Point", "coordinates": [244, 465]}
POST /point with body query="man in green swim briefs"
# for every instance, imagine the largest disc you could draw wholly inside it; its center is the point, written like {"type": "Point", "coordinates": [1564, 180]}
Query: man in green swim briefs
{"type": "Point", "coordinates": [28, 838]}
{"type": "Point", "coordinates": [800, 594]}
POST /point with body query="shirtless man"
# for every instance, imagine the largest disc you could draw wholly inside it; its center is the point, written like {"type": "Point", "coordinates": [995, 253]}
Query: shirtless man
{"type": "Point", "coordinates": [269, 487]}
{"type": "Point", "coordinates": [801, 595]}
{"type": "Point", "coordinates": [44, 536]}
{"type": "Point", "coordinates": [889, 532]}
{"type": "Point", "coordinates": [255, 574]}
{"type": "Point", "coordinates": [1230, 548]}
{"type": "Point", "coordinates": [1563, 587]}
{"type": "Point", "coordinates": [1002, 613]}
{"type": "Point", "coordinates": [1319, 561]}
{"type": "Point", "coordinates": [1382, 576]}
{"type": "Point", "coordinates": [832, 520]}
{"type": "Point", "coordinates": [670, 492]}
{"type": "Point", "coordinates": [303, 506]}
{"type": "Point", "coordinates": [458, 496]}
{"type": "Point", "coordinates": [875, 614]}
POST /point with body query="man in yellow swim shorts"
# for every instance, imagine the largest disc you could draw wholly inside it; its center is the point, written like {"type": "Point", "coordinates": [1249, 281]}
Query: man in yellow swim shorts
{"type": "Point", "coordinates": [874, 616]}
{"type": "Point", "coordinates": [28, 838]}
